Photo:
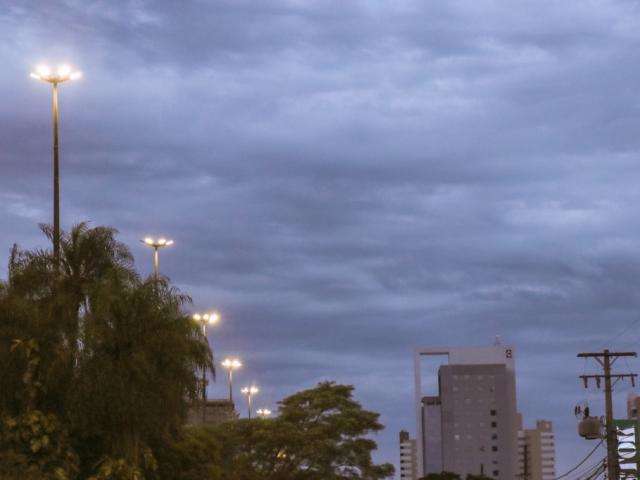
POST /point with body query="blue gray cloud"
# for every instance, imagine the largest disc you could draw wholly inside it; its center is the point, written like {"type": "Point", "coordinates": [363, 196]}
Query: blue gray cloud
{"type": "Point", "coordinates": [347, 180]}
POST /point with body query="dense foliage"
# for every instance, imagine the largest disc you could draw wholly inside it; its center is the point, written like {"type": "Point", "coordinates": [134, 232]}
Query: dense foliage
{"type": "Point", "coordinates": [319, 434]}
{"type": "Point", "coordinates": [106, 366]}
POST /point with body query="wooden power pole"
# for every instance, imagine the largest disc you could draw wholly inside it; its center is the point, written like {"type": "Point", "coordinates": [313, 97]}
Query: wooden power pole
{"type": "Point", "coordinates": [606, 360]}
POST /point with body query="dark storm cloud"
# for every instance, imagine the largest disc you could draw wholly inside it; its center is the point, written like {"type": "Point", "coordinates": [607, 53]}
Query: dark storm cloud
{"type": "Point", "coordinates": [348, 180]}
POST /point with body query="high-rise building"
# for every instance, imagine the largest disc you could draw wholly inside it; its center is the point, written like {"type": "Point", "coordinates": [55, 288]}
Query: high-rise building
{"type": "Point", "coordinates": [407, 457]}
{"type": "Point", "coordinates": [471, 426]}
{"type": "Point", "coordinates": [537, 452]}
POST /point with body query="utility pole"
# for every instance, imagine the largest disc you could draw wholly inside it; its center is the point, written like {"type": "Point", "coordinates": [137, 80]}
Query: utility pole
{"type": "Point", "coordinates": [606, 359]}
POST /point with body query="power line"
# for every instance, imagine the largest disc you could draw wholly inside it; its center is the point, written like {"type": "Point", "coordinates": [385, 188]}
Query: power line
{"type": "Point", "coordinates": [567, 473]}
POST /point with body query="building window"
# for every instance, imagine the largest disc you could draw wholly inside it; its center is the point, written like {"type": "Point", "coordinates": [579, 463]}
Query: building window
{"type": "Point", "coordinates": [493, 413]}
{"type": "Point", "coordinates": [496, 473]}
{"type": "Point", "coordinates": [494, 449]}
{"type": "Point", "coordinates": [494, 436]}
{"type": "Point", "coordinates": [494, 424]}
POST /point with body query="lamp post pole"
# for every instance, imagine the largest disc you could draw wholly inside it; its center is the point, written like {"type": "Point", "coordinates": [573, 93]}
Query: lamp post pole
{"type": "Point", "coordinates": [156, 244]}
{"type": "Point", "coordinates": [205, 319]}
{"type": "Point", "coordinates": [56, 176]}
{"type": "Point", "coordinates": [231, 364]}
{"type": "Point", "coordinates": [249, 392]}
{"type": "Point", "coordinates": [62, 74]}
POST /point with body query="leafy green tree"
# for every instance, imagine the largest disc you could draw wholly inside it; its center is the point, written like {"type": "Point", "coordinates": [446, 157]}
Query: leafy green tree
{"type": "Point", "coordinates": [320, 434]}
{"type": "Point", "coordinates": [34, 445]}
{"type": "Point", "coordinates": [118, 356]}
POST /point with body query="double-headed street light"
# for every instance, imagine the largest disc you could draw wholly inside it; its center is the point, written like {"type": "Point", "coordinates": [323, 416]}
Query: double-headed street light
{"type": "Point", "coordinates": [250, 392]}
{"type": "Point", "coordinates": [62, 74]}
{"type": "Point", "coordinates": [263, 412]}
{"type": "Point", "coordinates": [205, 319]}
{"type": "Point", "coordinates": [231, 364]}
{"type": "Point", "coordinates": [156, 244]}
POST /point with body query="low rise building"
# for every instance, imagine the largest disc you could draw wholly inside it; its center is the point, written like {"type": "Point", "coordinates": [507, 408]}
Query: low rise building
{"type": "Point", "coordinates": [536, 452]}
{"type": "Point", "coordinates": [214, 412]}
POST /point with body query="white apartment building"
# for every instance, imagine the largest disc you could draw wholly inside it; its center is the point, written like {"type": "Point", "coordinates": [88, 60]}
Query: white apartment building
{"type": "Point", "coordinates": [537, 452]}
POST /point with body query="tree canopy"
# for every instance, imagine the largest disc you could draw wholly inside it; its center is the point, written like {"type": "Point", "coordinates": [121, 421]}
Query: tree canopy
{"type": "Point", "coordinates": [113, 357]}
{"type": "Point", "coordinates": [319, 434]}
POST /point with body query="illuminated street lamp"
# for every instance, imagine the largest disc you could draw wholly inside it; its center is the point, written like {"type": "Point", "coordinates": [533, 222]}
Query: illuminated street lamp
{"type": "Point", "coordinates": [231, 364]}
{"type": "Point", "coordinates": [62, 74]}
{"type": "Point", "coordinates": [263, 412]}
{"type": "Point", "coordinates": [156, 244]}
{"type": "Point", "coordinates": [205, 319]}
{"type": "Point", "coordinates": [250, 392]}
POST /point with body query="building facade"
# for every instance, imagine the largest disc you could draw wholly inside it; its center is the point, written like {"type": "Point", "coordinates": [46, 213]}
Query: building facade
{"type": "Point", "coordinates": [633, 406]}
{"type": "Point", "coordinates": [537, 452]}
{"type": "Point", "coordinates": [471, 426]}
{"type": "Point", "coordinates": [215, 412]}
{"type": "Point", "coordinates": [407, 457]}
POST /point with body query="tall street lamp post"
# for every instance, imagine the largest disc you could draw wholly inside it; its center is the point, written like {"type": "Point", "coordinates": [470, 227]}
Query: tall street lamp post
{"type": "Point", "coordinates": [61, 75]}
{"type": "Point", "coordinates": [250, 392]}
{"type": "Point", "coordinates": [231, 364]}
{"type": "Point", "coordinates": [156, 244]}
{"type": "Point", "coordinates": [205, 319]}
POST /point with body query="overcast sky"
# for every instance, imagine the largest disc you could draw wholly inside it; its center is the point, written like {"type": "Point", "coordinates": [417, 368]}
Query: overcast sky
{"type": "Point", "coordinates": [346, 180]}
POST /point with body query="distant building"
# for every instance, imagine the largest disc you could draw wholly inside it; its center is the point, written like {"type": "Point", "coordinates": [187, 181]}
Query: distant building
{"type": "Point", "coordinates": [633, 406]}
{"type": "Point", "coordinates": [537, 452]}
{"type": "Point", "coordinates": [407, 457]}
{"type": "Point", "coordinates": [471, 426]}
{"type": "Point", "coordinates": [217, 411]}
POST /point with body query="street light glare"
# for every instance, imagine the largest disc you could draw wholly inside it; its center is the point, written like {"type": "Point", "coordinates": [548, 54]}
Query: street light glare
{"type": "Point", "coordinates": [231, 363]}
{"type": "Point", "coordinates": [250, 390]}
{"type": "Point", "coordinates": [43, 70]}
{"type": "Point", "coordinates": [197, 317]}
{"type": "Point", "coordinates": [64, 70]}
{"type": "Point", "coordinates": [157, 242]}
{"type": "Point", "coordinates": [75, 75]}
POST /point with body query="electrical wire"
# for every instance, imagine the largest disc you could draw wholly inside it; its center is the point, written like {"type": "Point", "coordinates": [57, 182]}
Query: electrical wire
{"type": "Point", "coordinates": [593, 471]}
{"type": "Point", "coordinates": [624, 330]}
{"type": "Point", "coordinates": [567, 473]}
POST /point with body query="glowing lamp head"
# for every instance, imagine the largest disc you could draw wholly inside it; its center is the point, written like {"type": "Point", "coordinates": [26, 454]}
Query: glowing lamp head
{"type": "Point", "coordinates": [61, 74]}
{"type": "Point", "coordinates": [43, 70]}
{"type": "Point", "coordinates": [211, 318]}
{"type": "Point", "coordinates": [231, 363]}
{"type": "Point", "coordinates": [157, 242]}
{"type": "Point", "coordinates": [252, 390]}
{"type": "Point", "coordinates": [64, 70]}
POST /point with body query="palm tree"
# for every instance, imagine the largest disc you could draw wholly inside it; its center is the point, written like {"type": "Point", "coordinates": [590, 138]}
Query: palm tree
{"type": "Point", "coordinates": [119, 355]}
